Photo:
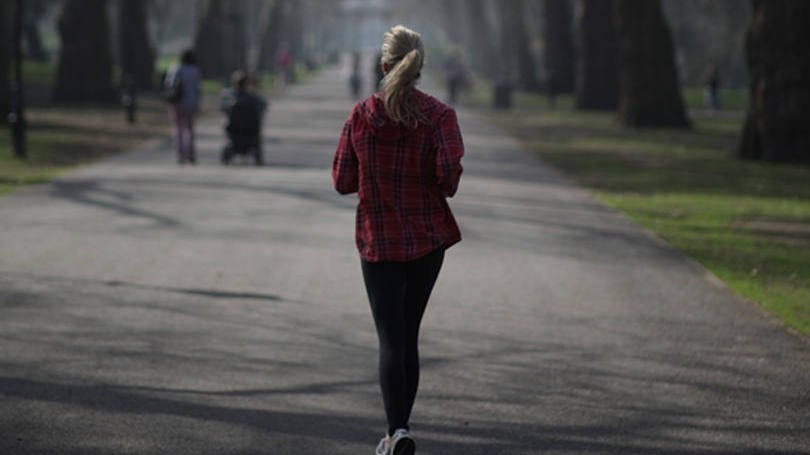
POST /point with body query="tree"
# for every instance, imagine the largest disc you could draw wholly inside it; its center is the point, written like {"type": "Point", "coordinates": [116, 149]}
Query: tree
{"type": "Point", "coordinates": [559, 46]}
{"type": "Point", "coordinates": [271, 34]}
{"type": "Point", "coordinates": [776, 125]}
{"type": "Point", "coordinates": [220, 41]}
{"type": "Point", "coordinates": [35, 10]}
{"type": "Point", "coordinates": [649, 88]}
{"type": "Point", "coordinates": [516, 44]}
{"type": "Point", "coordinates": [483, 55]}
{"type": "Point", "coordinates": [597, 74]}
{"type": "Point", "coordinates": [85, 70]}
{"type": "Point", "coordinates": [137, 56]}
{"type": "Point", "coordinates": [5, 59]}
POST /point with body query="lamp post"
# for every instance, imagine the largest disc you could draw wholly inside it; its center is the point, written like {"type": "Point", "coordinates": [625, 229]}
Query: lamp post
{"type": "Point", "coordinates": [17, 116]}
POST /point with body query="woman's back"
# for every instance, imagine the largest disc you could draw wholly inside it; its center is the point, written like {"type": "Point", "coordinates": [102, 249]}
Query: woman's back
{"type": "Point", "coordinates": [402, 175]}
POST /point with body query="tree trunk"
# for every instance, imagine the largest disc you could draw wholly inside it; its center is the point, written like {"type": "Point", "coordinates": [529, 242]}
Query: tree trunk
{"type": "Point", "coordinates": [137, 56]}
{"type": "Point", "coordinates": [272, 34]}
{"type": "Point", "coordinates": [482, 49]}
{"type": "Point", "coordinates": [559, 46]}
{"type": "Point", "coordinates": [453, 21]}
{"type": "Point", "coordinates": [518, 44]}
{"type": "Point", "coordinates": [649, 88]}
{"type": "Point", "coordinates": [85, 70]}
{"type": "Point", "coordinates": [220, 42]}
{"type": "Point", "coordinates": [5, 60]}
{"type": "Point", "coordinates": [34, 10]}
{"type": "Point", "coordinates": [778, 119]}
{"type": "Point", "coordinates": [294, 30]}
{"type": "Point", "coordinates": [597, 74]}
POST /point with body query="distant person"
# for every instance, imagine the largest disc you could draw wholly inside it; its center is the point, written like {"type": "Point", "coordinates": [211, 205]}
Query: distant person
{"type": "Point", "coordinates": [244, 110]}
{"type": "Point", "coordinates": [355, 80]}
{"type": "Point", "coordinates": [401, 151]}
{"type": "Point", "coordinates": [284, 64]}
{"type": "Point", "coordinates": [182, 91]}
{"type": "Point", "coordinates": [454, 75]}
{"type": "Point", "coordinates": [378, 71]}
{"type": "Point", "coordinates": [712, 89]}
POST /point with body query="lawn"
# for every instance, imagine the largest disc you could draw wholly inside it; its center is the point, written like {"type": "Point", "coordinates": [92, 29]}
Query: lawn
{"type": "Point", "coordinates": [59, 138]}
{"type": "Point", "coordinates": [747, 222]}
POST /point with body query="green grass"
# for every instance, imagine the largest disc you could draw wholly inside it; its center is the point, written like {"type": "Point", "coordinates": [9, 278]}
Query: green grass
{"type": "Point", "coordinates": [747, 222]}
{"type": "Point", "coordinates": [60, 138]}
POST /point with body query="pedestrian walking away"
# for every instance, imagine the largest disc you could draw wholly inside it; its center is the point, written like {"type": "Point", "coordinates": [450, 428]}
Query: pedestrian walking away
{"type": "Point", "coordinates": [182, 90]}
{"type": "Point", "coordinates": [400, 151]}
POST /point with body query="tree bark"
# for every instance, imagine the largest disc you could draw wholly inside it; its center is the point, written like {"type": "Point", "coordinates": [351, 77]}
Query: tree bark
{"type": "Point", "coordinates": [482, 49]}
{"type": "Point", "coordinates": [559, 46]}
{"type": "Point", "coordinates": [517, 44]}
{"type": "Point", "coordinates": [34, 10]}
{"type": "Point", "coordinates": [597, 74]}
{"type": "Point", "coordinates": [137, 56]}
{"type": "Point", "coordinates": [272, 35]}
{"type": "Point", "coordinates": [777, 126]}
{"type": "Point", "coordinates": [5, 60]}
{"type": "Point", "coordinates": [85, 70]}
{"type": "Point", "coordinates": [649, 88]}
{"type": "Point", "coordinates": [220, 42]}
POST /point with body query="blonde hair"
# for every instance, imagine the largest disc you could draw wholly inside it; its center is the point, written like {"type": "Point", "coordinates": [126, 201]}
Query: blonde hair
{"type": "Point", "coordinates": [403, 53]}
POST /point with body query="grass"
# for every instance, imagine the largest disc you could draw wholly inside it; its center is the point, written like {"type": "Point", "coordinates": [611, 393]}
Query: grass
{"type": "Point", "coordinates": [60, 138]}
{"type": "Point", "coordinates": [747, 222]}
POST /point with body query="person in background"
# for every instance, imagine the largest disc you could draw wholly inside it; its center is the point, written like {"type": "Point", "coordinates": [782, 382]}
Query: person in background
{"type": "Point", "coordinates": [378, 71]}
{"type": "Point", "coordinates": [284, 65]}
{"type": "Point", "coordinates": [712, 89]}
{"type": "Point", "coordinates": [183, 86]}
{"type": "Point", "coordinates": [355, 80]}
{"type": "Point", "coordinates": [454, 74]}
{"type": "Point", "coordinates": [244, 110]}
{"type": "Point", "coordinates": [400, 151]}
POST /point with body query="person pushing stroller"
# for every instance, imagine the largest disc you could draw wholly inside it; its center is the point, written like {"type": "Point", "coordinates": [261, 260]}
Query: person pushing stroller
{"type": "Point", "coordinates": [244, 110]}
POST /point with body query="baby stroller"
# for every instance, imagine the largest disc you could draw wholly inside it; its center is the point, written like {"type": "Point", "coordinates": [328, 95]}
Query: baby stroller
{"type": "Point", "coordinates": [244, 129]}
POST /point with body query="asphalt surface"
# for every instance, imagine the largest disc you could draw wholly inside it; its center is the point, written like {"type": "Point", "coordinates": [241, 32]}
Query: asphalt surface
{"type": "Point", "coordinates": [149, 308]}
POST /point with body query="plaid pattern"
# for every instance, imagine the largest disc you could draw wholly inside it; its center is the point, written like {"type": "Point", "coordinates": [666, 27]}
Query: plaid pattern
{"type": "Point", "coordinates": [402, 176]}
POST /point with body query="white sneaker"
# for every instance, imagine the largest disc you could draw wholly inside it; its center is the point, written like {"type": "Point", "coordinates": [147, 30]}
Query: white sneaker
{"type": "Point", "coordinates": [402, 443]}
{"type": "Point", "coordinates": [382, 447]}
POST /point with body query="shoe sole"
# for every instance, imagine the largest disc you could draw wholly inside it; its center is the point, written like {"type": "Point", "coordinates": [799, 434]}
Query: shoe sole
{"type": "Point", "coordinates": [405, 446]}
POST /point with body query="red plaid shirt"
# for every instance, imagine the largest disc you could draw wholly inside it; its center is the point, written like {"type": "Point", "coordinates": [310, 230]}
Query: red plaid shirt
{"type": "Point", "coordinates": [402, 176]}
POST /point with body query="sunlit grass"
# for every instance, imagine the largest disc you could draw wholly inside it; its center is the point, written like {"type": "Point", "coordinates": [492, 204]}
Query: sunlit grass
{"type": "Point", "coordinates": [60, 138]}
{"type": "Point", "coordinates": [747, 222]}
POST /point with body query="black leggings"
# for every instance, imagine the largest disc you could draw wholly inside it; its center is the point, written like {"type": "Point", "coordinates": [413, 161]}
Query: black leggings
{"type": "Point", "coordinates": [398, 293]}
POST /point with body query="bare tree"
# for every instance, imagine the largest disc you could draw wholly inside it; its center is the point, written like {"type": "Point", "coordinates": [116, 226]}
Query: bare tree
{"type": "Point", "coordinates": [649, 88]}
{"type": "Point", "coordinates": [5, 58]}
{"type": "Point", "coordinates": [271, 33]}
{"type": "Point", "coordinates": [34, 11]}
{"type": "Point", "coordinates": [85, 70]}
{"type": "Point", "coordinates": [482, 47]}
{"type": "Point", "coordinates": [220, 41]}
{"type": "Point", "coordinates": [516, 44]}
{"type": "Point", "coordinates": [137, 56]}
{"type": "Point", "coordinates": [597, 74]}
{"type": "Point", "coordinates": [776, 126]}
{"type": "Point", "coordinates": [559, 46]}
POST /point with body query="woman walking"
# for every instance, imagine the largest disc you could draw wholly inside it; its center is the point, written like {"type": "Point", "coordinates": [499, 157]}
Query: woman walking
{"type": "Point", "coordinates": [183, 85]}
{"type": "Point", "coordinates": [401, 151]}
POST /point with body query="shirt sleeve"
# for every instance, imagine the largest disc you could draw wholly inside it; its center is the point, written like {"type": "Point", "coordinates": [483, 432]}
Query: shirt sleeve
{"type": "Point", "coordinates": [344, 166]}
{"type": "Point", "coordinates": [450, 149]}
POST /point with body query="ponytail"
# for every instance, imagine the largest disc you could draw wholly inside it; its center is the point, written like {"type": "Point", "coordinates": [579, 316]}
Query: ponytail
{"type": "Point", "coordinates": [398, 85]}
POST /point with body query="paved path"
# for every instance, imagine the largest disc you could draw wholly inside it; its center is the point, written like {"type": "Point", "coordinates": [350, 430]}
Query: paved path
{"type": "Point", "coordinates": [153, 309]}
